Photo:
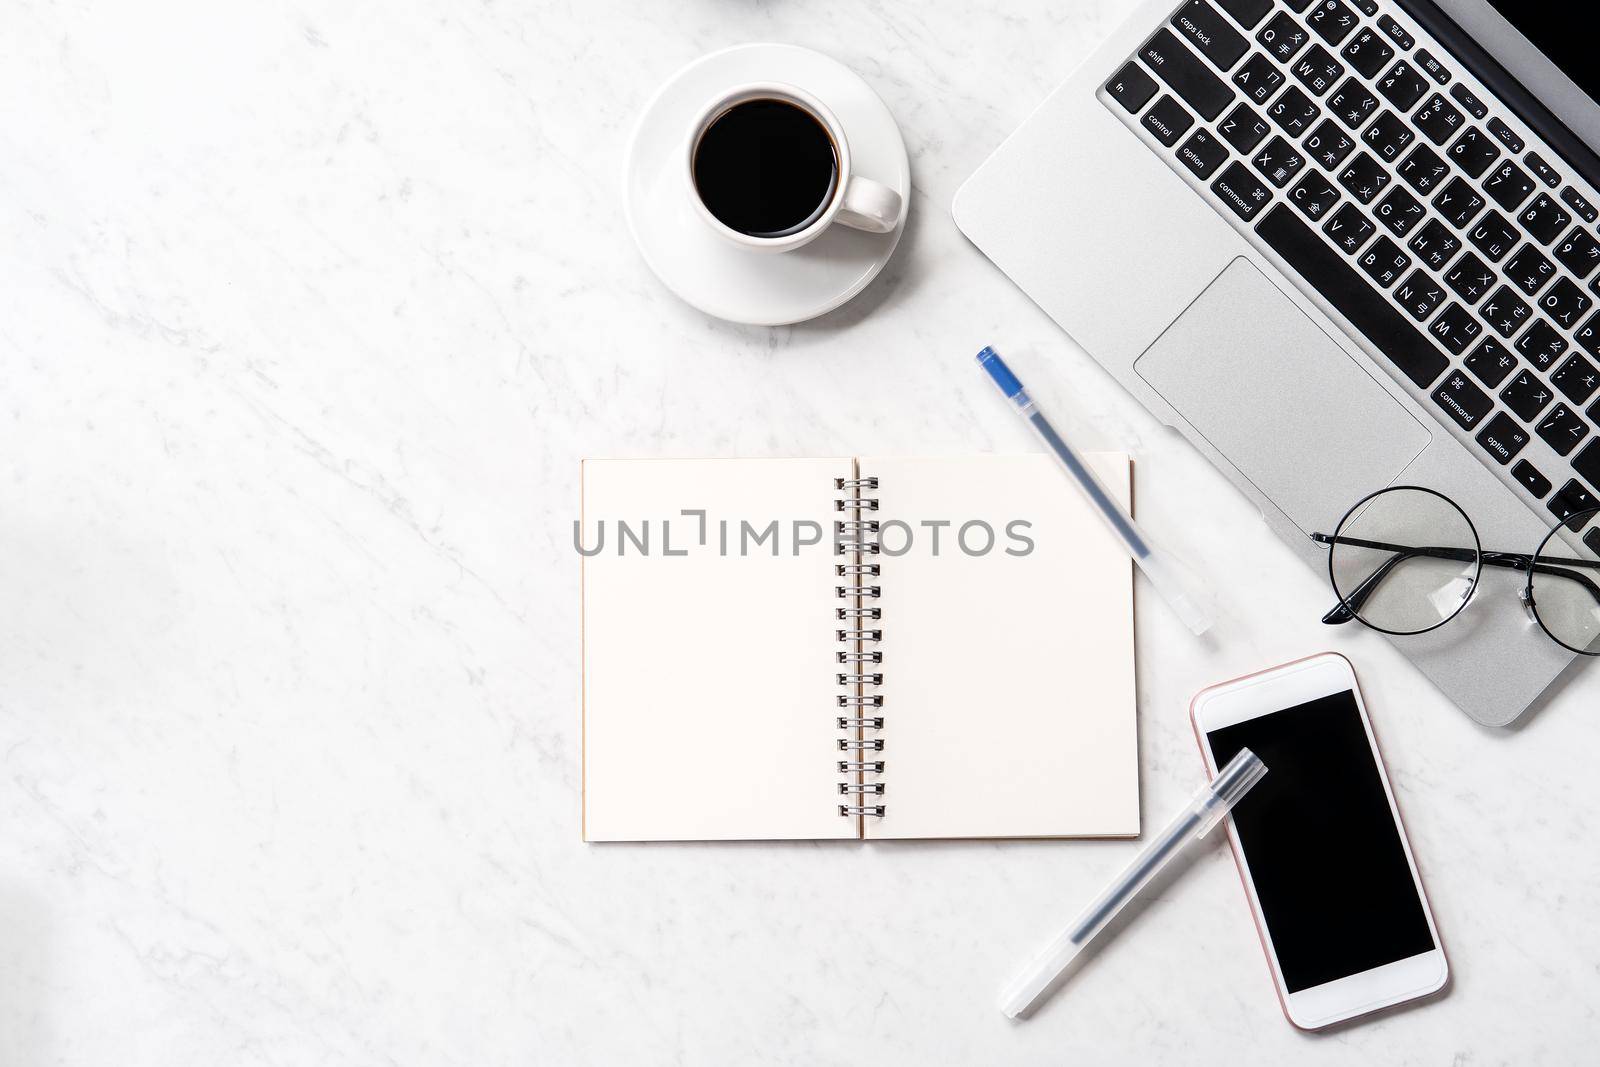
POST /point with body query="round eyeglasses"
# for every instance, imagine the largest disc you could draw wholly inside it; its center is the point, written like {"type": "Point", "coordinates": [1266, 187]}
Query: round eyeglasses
{"type": "Point", "coordinates": [1406, 560]}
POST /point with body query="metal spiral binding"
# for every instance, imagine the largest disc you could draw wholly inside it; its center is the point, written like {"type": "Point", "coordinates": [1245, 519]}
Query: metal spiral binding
{"type": "Point", "coordinates": [856, 538]}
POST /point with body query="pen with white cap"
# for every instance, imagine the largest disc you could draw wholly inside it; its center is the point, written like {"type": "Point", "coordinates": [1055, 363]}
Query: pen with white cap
{"type": "Point", "coordinates": [1203, 811]}
{"type": "Point", "coordinates": [1156, 565]}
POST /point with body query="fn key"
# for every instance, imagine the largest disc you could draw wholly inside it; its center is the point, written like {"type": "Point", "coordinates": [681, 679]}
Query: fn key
{"type": "Point", "coordinates": [1132, 88]}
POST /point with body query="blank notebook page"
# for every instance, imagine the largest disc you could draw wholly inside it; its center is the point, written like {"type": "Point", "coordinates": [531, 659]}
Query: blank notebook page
{"type": "Point", "coordinates": [1008, 679]}
{"type": "Point", "coordinates": [709, 685]}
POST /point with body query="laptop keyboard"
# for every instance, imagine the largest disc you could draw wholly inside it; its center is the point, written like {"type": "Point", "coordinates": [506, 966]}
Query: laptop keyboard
{"type": "Point", "coordinates": [1408, 201]}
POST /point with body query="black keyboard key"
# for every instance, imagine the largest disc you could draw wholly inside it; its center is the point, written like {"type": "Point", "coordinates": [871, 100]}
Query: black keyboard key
{"type": "Point", "coordinates": [1210, 33]}
{"type": "Point", "coordinates": [1243, 129]}
{"type": "Point", "coordinates": [1435, 245]}
{"type": "Point", "coordinates": [1132, 88]}
{"type": "Point", "coordinates": [1388, 135]}
{"type": "Point", "coordinates": [1544, 218]}
{"type": "Point", "coordinates": [1331, 20]}
{"type": "Point", "coordinates": [1573, 499]}
{"type": "Point", "coordinates": [1493, 236]}
{"type": "Point", "coordinates": [1314, 196]}
{"type": "Point", "coordinates": [1293, 111]}
{"type": "Point", "coordinates": [1384, 262]}
{"type": "Point", "coordinates": [1587, 462]}
{"type": "Point", "coordinates": [1577, 379]}
{"type": "Point", "coordinates": [1592, 539]}
{"type": "Point", "coordinates": [1368, 7]}
{"type": "Point", "coordinates": [1349, 229]}
{"type": "Point", "coordinates": [1562, 430]}
{"type": "Point", "coordinates": [1246, 12]}
{"type": "Point", "coordinates": [1528, 270]}
{"type": "Point", "coordinates": [1541, 345]}
{"type": "Point", "coordinates": [1565, 303]}
{"type": "Point", "coordinates": [1490, 362]}
{"type": "Point", "coordinates": [1505, 135]}
{"type": "Point", "coordinates": [1455, 328]}
{"type": "Point", "coordinates": [1458, 202]}
{"type": "Point", "coordinates": [1466, 99]}
{"type": "Point", "coordinates": [1317, 70]}
{"type": "Point", "coordinates": [1400, 212]}
{"type": "Point", "coordinates": [1328, 145]}
{"type": "Point", "coordinates": [1367, 52]}
{"type": "Point", "coordinates": [1433, 68]}
{"type": "Point", "coordinates": [1579, 252]}
{"type": "Point", "coordinates": [1167, 120]}
{"type": "Point", "coordinates": [1259, 78]}
{"type": "Point", "coordinates": [1588, 335]}
{"type": "Point", "coordinates": [1470, 277]}
{"type": "Point", "coordinates": [1526, 396]}
{"type": "Point", "coordinates": [1419, 295]}
{"type": "Point", "coordinates": [1352, 103]}
{"type": "Point", "coordinates": [1542, 170]}
{"type": "Point", "coordinates": [1423, 169]}
{"type": "Point", "coordinates": [1241, 191]}
{"type": "Point", "coordinates": [1462, 401]}
{"type": "Point", "coordinates": [1297, 6]}
{"type": "Point", "coordinates": [1508, 186]}
{"type": "Point", "coordinates": [1203, 153]}
{"type": "Point", "coordinates": [1577, 202]}
{"type": "Point", "coordinates": [1363, 178]}
{"type": "Point", "coordinates": [1403, 86]}
{"type": "Point", "coordinates": [1438, 119]}
{"type": "Point", "coordinates": [1186, 74]}
{"type": "Point", "coordinates": [1282, 37]}
{"type": "Point", "coordinates": [1396, 33]}
{"type": "Point", "coordinates": [1504, 312]}
{"type": "Point", "coordinates": [1278, 162]}
{"type": "Point", "coordinates": [1372, 315]}
{"type": "Point", "coordinates": [1502, 438]}
{"type": "Point", "coordinates": [1530, 478]}
{"type": "Point", "coordinates": [1473, 151]}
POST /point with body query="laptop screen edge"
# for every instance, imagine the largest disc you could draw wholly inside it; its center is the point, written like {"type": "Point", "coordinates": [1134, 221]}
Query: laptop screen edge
{"type": "Point", "coordinates": [1523, 60]}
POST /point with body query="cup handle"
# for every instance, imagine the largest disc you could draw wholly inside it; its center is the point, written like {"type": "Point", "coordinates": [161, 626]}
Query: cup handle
{"type": "Point", "coordinates": [869, 205]}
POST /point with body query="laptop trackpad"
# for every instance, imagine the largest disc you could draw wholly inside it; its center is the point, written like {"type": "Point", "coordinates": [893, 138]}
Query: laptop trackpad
{"type": "Point", "coordinates": [1300, 419]}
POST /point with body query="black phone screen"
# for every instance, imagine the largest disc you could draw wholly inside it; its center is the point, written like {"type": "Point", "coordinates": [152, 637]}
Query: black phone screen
{"type": "Point", "coordinates": [1322, 844]}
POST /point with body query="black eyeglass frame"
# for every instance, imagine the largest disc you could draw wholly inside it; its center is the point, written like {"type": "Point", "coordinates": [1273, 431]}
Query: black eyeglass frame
{"type": "Point", "coordinates": [1350, 606]}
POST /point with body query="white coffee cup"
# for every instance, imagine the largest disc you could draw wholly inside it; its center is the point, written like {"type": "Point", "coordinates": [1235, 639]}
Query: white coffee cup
{"type": "Point", "coordinates": [857, 201]}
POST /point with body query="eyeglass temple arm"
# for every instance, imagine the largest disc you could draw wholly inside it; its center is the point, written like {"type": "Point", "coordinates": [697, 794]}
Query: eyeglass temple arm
{"type": "Point", "coordinates": [1345, 611]}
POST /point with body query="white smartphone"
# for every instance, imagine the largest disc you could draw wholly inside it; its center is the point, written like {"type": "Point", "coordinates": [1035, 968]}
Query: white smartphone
{"type": "Point", "coordinates": [1323, 855]}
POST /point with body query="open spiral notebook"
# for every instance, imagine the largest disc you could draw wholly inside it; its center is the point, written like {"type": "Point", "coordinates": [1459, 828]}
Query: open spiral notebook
{"type": "Point", "coordinates": [835, 648]}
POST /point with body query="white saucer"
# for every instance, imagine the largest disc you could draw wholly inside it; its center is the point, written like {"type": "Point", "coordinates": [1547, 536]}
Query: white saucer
{"type": "Point", "coordinates": [762, 288]}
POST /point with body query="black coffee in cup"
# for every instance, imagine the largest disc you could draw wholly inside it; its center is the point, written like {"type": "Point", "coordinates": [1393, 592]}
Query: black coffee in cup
{"type": "Point", "coordinates": [766, 168]}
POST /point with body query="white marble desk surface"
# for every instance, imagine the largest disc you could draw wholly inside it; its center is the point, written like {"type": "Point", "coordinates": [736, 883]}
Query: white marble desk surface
{"type": "Point", "coordinates": [308, 316]}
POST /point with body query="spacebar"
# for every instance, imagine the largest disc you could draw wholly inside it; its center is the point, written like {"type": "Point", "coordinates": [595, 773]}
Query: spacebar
{"type": "Point", "coordinates": [1343, 287]}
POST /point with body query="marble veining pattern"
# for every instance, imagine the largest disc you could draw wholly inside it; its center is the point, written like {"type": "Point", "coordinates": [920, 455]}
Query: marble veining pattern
{"type": "Point", "coordinates": [310, 312]}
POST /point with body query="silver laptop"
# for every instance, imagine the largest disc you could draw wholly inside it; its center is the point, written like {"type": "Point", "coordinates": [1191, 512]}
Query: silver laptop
{"type": "Point", "coordinates": [1339, 244]}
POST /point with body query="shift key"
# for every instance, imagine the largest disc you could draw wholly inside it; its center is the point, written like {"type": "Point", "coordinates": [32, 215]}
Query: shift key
{"type": "Point", "coordinates": [1186, 73]}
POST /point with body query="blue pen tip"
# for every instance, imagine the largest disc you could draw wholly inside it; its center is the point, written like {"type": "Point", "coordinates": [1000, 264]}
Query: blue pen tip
{"type": "Point", "coordinates": [990, 361]}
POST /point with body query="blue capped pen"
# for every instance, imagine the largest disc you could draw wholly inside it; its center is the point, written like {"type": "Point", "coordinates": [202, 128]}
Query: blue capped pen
{"type": "Point", "coordinates": [1156, 565]}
